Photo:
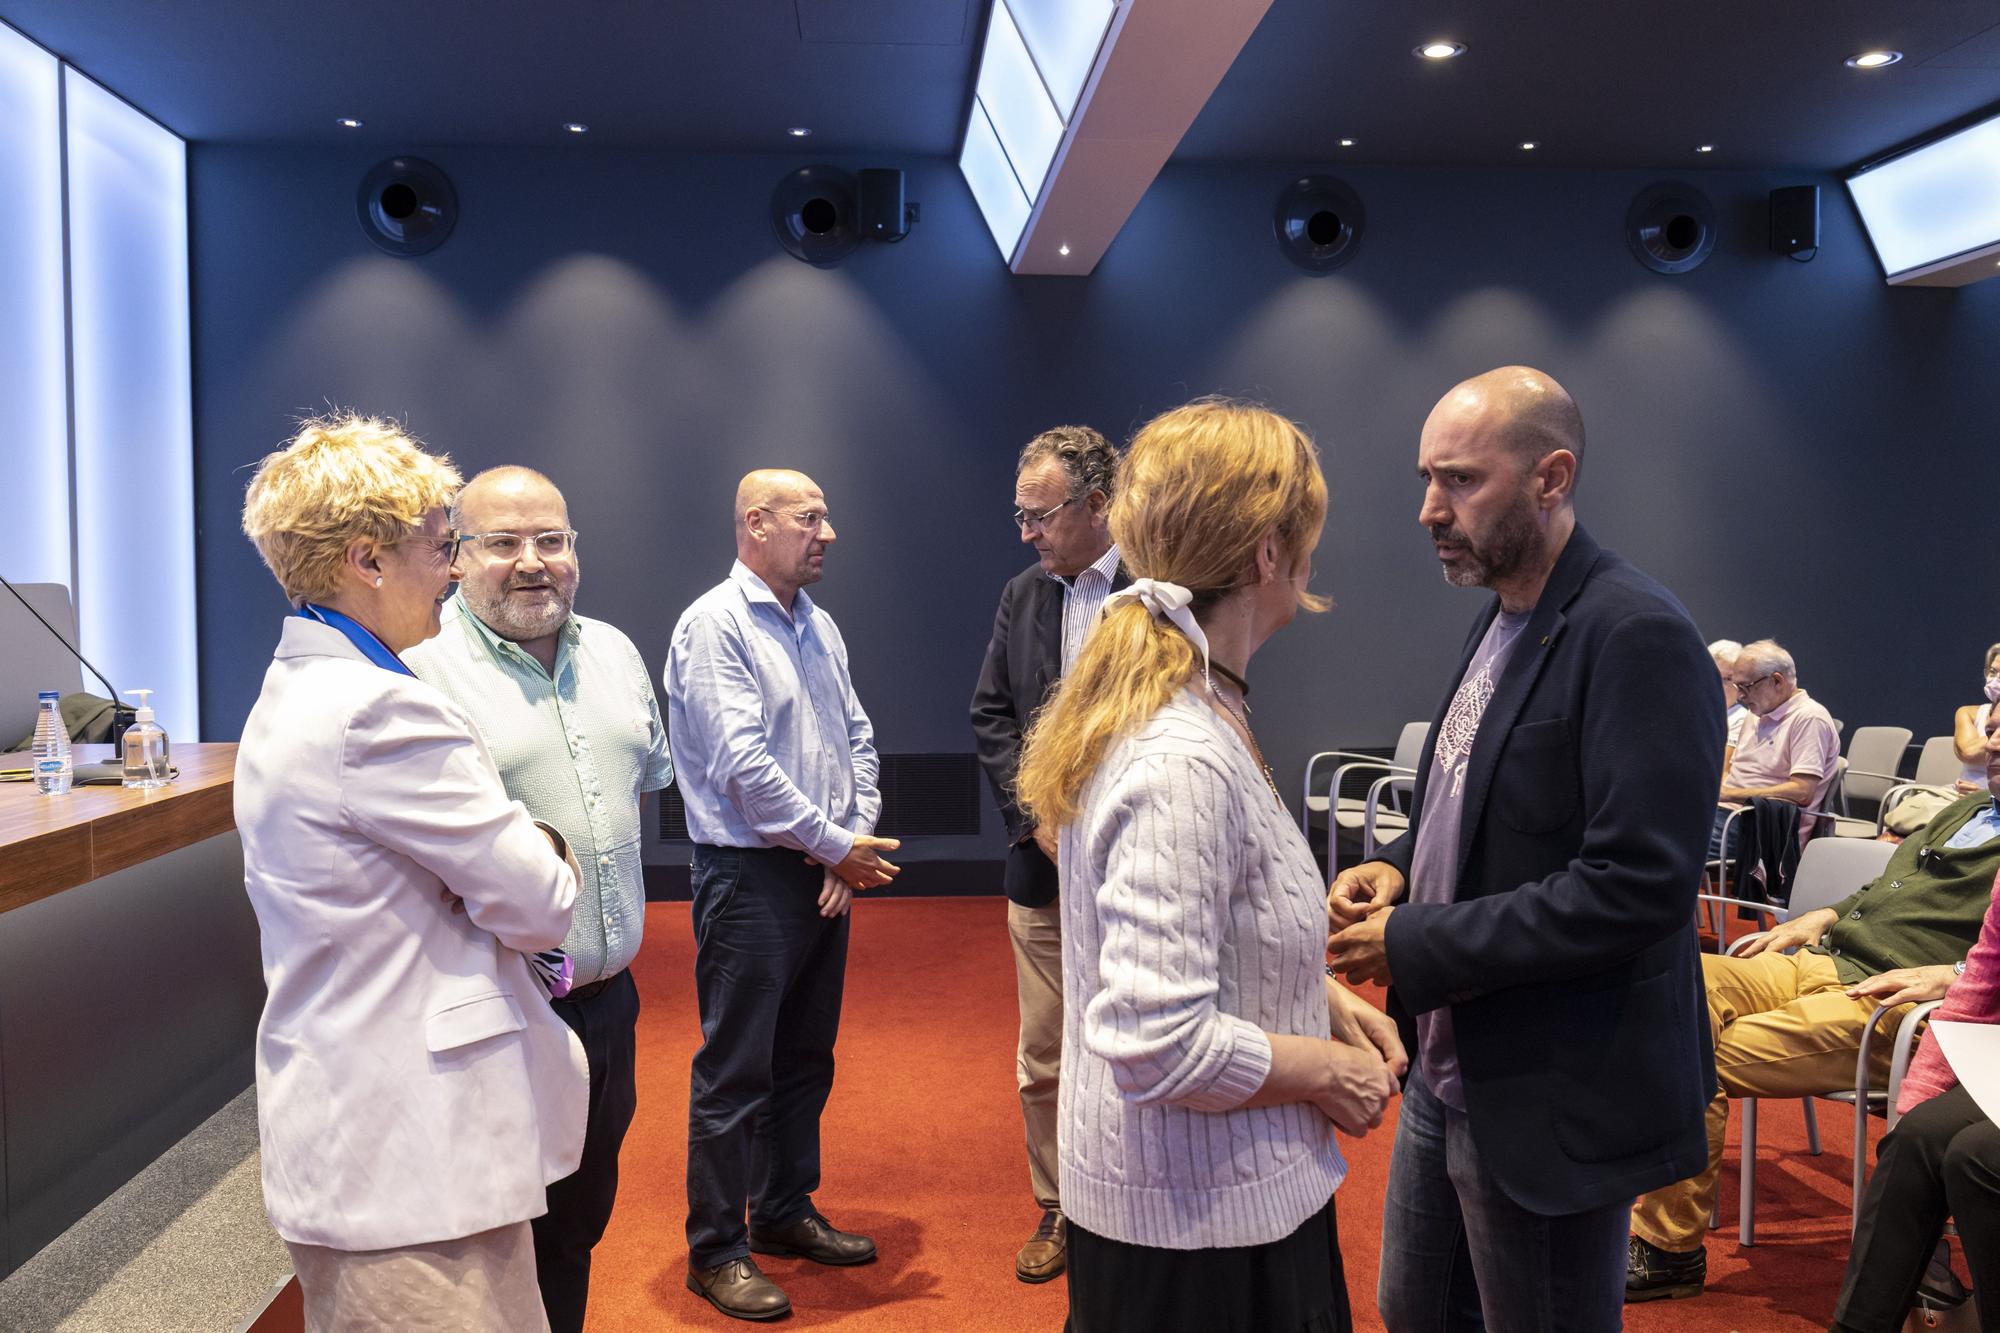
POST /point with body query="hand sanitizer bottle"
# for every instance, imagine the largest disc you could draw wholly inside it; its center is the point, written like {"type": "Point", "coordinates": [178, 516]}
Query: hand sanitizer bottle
{"type": "Point", "coordinates": [145, 748]}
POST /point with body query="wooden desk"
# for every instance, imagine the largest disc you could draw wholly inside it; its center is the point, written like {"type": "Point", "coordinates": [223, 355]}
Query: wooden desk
{"type": "Point", "coordinates": [52, 843]}
{"type": "Point", "coordinates": [130, 983]}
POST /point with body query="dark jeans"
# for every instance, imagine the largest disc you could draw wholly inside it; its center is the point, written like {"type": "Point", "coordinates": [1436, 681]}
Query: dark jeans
{"type": "Point", "coordinates": [1941, 1160]}
{"type": "Point", "coordinates": [768, 971]}
{"type": "Point", "coordinates": [1458, 1254]}
{"type": "Point", "coordinates": [580, 1203]}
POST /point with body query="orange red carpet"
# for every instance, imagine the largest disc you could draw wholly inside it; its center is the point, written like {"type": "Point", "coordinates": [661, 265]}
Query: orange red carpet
{"type": "Point", "coordinates": [923, 1152]}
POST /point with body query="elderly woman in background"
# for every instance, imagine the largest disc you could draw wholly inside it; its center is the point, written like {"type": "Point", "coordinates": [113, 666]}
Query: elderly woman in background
{"type": "Point", "coordinates": [1968, 729]}
{"type": "Point", "coordinates": [415, 1092]}
{"type": "Point", "coordinates": [1207, 1055]}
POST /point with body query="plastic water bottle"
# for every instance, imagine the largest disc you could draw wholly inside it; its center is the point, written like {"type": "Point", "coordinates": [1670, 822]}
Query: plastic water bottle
{"type": "Point", "coordinates": [53, 770]}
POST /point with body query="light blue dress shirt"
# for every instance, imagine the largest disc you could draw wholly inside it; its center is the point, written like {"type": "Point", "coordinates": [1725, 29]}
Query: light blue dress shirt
{"type": "Point", "coordinates": [577, 748]}
{"type": "Point", "coordinates": [770, 745]}
{"type": "Point", "coordinates": [1979, 830]}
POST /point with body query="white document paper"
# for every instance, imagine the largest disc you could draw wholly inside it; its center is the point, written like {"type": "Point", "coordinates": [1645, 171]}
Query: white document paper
{"type": "Point", "coordinates": [1974, 1052]}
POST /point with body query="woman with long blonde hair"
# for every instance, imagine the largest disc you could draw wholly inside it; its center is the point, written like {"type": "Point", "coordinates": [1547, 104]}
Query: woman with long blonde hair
{"type": "Point", "coordinates": [1207, 1055]}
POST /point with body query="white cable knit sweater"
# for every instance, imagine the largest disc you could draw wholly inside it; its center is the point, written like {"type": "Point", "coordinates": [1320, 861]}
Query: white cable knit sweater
{"type": "Point", "coordinates": [1194, 922]}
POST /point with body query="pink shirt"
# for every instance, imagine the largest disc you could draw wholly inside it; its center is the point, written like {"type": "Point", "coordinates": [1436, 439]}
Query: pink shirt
{"type": "Point", "coordinates": [1796, 737]}
{"type": "Point", "coordinates": [1973, 998]}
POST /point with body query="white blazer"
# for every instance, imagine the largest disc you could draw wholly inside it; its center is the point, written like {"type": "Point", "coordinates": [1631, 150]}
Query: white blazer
{"type": "Point", "coordinates": [413, 1084]}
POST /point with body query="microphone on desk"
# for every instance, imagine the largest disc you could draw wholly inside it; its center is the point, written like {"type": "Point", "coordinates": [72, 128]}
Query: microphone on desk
{"type": "Point", "coordinates": [122, 714]}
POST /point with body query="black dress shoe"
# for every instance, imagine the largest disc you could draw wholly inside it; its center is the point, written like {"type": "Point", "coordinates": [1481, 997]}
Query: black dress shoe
{"type": "Point", "coordinates": [739, 1290]}
{"type": "Point", "coordinates": [1654, 1274]}
{"type": "Point", "coordinates": [812, 1238]}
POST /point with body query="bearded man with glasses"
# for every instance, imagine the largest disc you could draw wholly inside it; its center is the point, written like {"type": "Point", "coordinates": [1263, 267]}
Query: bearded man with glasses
{"type": "Point", "coordinates": [1062, 494]}
{"type": "Point", "coordinates": [566, 706]}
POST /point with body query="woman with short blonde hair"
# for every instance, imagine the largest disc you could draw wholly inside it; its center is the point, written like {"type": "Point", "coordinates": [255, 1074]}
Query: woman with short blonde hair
{"type": "Point", "coordinates": [1207, 1056]}
{"type": "Point", "coordinates": [415, 1092]}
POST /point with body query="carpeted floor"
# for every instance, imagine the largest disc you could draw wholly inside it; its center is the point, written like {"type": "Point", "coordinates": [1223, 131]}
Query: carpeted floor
{"type": "Point", "coordinates": [923, 1152]}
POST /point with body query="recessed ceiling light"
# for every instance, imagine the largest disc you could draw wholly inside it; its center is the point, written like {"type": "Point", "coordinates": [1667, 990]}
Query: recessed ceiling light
{"type": "Point", "coordinates": [1873, 59]}
{"type": "Point", "coordinates": [576, 127]}
{"type": "Point", "coordinates": [1529, 145]}
{"type": "Point", "coordinates": [798, 131]}
{"type": "Point", "coordinates": [349, 122]}
{"type": "Point", "coordinates": [1063, 249]}
{"type": "Point", "coordinates": [1441, 50]}
{"type": "Point", "coordinates": [1347, 143]}
{"type": "Point", "coordinates": [1704, 148]}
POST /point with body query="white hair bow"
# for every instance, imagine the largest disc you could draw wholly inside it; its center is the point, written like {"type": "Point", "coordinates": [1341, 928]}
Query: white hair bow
{"type": "Point", "coordinates": [1168, 601]}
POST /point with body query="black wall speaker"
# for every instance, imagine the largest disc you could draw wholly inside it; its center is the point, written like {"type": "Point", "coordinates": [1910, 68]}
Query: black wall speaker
{"type": "Point", "coordinates": [814, 213]}
{"type": "Point", "coordinates": [884, 217]}
{"type": "Point", "coordinates": [1670, 227]}
{"type": "Point", "coordinates": [1795, 221]}
{"type": "Point", "coordinates": [1319, 222]}
{"type": "Point", "coordinates": [407, 206]}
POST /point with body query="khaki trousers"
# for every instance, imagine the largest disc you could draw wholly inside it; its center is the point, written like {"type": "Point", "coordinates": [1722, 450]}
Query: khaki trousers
{"type": "Point", "coordinates": [1784, 1027]}
{"type": "Point", "coordinates": [475, 1284]}
{"type": "Point", "coordinates": [1037, 936]}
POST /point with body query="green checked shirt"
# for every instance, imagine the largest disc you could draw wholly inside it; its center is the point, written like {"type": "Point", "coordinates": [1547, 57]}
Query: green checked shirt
{"type": "Point", "coordinates": [576, 750]}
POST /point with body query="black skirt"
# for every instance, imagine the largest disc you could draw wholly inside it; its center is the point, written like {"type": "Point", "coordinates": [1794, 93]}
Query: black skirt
{"type": "Point", "coordinates": [1292, 1284]}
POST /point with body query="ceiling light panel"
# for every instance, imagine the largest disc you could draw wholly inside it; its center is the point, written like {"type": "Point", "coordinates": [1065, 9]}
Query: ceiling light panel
{"type": "Point", "coordinates": [1063, 37]}
{"type": "Point", "coordinates": [1026, 121]}
{"type": "Point", "coordinates": [1934, 204]}
{"type": "Point", "coordinates": [983, 162]}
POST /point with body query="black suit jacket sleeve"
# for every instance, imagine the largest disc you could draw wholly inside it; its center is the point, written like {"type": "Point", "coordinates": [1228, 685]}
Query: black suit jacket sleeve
{"type": "Point", "coordinates": [1632, 882]}
{"type": "Point", "coordinates": [996, 722]}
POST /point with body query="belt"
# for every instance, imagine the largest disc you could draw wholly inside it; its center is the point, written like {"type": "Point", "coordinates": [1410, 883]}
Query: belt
{"type": "Point", "coordinates": [578, 994]}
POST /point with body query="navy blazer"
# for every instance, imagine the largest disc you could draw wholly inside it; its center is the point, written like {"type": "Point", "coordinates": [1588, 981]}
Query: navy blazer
{"type": "Point", "coordinates": [1023, 663]}
{"type": "Point", "coordinates": [1569, 958]}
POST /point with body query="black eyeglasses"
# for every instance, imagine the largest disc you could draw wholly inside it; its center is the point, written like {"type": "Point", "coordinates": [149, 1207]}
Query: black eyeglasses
{"type": "Point", "coordinates": [1027, 518]}
{"type": "Point", "coordinates": [1744, 687]}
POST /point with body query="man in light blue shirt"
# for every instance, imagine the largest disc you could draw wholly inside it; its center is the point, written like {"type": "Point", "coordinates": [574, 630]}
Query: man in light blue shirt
{"type": "Point", "coordinates": [778, 773]}
{"type": "Point", "coordinates": [565, 704]}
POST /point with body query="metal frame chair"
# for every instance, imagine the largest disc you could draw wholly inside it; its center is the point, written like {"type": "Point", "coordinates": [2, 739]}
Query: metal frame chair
{"type": "Point", "coordinates": [1829, 870]}
{"type": "Point", "coordinates": [1358, 812]}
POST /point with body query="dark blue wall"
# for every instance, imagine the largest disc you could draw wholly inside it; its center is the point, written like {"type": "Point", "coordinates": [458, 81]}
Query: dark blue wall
{"type": "Point", "coordinates": [1797, 449]}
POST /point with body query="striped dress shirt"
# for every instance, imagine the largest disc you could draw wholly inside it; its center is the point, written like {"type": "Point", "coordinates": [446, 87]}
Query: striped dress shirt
{"type": "Point", "coordinates": [1083, 603]}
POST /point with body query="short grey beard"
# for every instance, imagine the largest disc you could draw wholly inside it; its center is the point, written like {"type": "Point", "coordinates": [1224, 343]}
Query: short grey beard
{"type": "Point", "coordinates": [502, 620]}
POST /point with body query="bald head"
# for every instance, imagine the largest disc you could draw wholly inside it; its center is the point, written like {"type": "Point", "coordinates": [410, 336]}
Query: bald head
{"type": "Point", "coordinates": [1520, 407]}
{"type": "Point", "coordinates": [772, 488]}
{"type": "Point", "coordinates": [510, 486]}
{"type": "Point", "coordinates": [782, 529]}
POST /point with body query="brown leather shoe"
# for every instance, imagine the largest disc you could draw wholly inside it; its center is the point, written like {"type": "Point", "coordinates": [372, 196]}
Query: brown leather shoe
{"type": "Point", "coordinates": [1046, 1253]}
{"type": "Point", "coordinates": [813, 1237]}
{"type": "Point", "coordinates": [739, 1290]}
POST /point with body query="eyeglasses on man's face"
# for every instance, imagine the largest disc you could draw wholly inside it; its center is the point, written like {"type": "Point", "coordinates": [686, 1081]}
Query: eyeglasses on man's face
{"type": "Point", "coordinates": [1745, 686]}
{"type": "Point", "coordinates": [1033, 521]}
{"type": "Point", "coordinates": [811, 519]}
{"type": "Point", "coordinates": [551, 545]}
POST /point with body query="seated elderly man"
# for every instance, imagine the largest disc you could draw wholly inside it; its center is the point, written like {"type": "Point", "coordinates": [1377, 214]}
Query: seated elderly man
{"type": "Point", "coordinates": [1787, 748]}
{"type": "Point", "coordinates": [1790, 1024]}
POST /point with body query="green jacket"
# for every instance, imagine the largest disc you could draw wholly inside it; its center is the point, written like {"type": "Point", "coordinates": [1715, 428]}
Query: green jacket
{"type": "Point", "coordinates": [1925, 908]}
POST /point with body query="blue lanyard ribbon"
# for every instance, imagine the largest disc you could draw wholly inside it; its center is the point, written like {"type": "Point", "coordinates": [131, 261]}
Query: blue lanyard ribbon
{"type": "Point", "coordinates": [358, 634]}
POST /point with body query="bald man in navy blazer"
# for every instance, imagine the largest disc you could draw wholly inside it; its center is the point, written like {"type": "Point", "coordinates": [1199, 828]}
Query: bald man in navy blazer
{"type": "Point", "coordinates": [1062, 495]}
{"type": "Point", "coordinates": [1536, 925]}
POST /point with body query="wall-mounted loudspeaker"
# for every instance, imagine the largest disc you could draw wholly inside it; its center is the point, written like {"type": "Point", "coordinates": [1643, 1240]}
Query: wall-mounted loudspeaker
{"type": "Point", "coordinates": [1319, 221]}
{"type": "Point", "coordinates": [1795, 222]}
{"type": "Point", "coordinates": [1670, 227]}
{"type": "Point", "coordinates": [407, 206]}
{"type": "Point", "coordinates": [815, 213]}
{"type": "Point", "coordinates": [884, 214]}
